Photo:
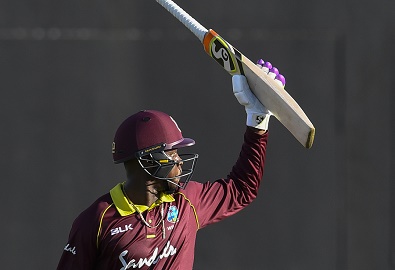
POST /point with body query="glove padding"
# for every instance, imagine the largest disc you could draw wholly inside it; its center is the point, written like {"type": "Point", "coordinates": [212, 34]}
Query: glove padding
{"type": "Point", "coordinates": [257, 114]}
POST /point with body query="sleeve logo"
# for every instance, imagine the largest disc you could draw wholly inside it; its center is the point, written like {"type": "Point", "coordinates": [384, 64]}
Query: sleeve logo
{"type": "Point", "coordinates": [68, 248]}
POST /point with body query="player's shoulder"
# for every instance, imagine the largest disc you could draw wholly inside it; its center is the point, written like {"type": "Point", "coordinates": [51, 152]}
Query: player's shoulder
{"type": "Point", "coordinates": [103, 202]}
{"type": "Point", "coordinates": [193, 189]}
{"type": "Point", "coordinates": [95, 210]}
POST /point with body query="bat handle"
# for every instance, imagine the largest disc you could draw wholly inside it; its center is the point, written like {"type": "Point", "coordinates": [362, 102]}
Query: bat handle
{"type": "Point", "coordinates": [189, 22]}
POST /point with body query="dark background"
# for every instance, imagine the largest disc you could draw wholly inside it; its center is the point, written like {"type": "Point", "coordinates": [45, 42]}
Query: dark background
{"type": "Point", "coordinates": [71, 71]}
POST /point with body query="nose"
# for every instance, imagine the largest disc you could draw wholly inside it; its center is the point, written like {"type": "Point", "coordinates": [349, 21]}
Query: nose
{"type": "Point", "coordinates": [179, 162]}
{"type": "Point", "coordinates": [179, 167]}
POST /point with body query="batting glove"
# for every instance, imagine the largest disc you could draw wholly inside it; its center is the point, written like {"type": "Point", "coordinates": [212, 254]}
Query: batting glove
{"type": "Point", "coordinates": [257, 114]}
{"type": "Point", "coordinates": [273, 72]}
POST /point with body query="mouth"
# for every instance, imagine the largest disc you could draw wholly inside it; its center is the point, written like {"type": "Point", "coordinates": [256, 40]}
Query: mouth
{"type": "Point", "coordinates": [178, 176]}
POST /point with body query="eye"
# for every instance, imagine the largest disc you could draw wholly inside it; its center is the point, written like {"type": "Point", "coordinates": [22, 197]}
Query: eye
{"type": "Point", "coordinates": [175, 157]}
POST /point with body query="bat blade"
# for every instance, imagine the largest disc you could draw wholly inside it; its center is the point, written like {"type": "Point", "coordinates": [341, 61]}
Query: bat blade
{"type": "Point", "coordinates": [280, 103]}
{"type": "Point", "coordinates": [274, 97]}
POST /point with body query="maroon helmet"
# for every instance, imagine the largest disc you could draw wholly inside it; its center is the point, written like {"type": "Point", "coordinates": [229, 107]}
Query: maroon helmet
{"type": "Point", "coordinates": [146, 136]}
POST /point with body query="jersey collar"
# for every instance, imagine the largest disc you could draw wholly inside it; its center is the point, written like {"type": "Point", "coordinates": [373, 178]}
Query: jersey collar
{"type": "Point", "coordinates": [125, 208]}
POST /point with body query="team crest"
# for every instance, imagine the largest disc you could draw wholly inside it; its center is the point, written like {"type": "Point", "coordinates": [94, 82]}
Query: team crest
{"type": "Point", "coordinates": [172, 214]}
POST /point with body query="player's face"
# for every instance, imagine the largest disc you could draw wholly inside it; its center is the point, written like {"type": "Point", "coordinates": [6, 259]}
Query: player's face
{"type": "Point", "coordinates": [177, 169]}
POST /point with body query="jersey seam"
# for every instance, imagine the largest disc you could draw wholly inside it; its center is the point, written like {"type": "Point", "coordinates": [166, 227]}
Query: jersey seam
{"type": "Point", "coordinates": [100, 225]}
{"type": "Point", "coordinates": [193, 208]}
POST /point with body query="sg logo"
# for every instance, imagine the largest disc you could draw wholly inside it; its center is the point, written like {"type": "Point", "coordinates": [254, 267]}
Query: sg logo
{"type": "Point", "coordinates": [220, 51]}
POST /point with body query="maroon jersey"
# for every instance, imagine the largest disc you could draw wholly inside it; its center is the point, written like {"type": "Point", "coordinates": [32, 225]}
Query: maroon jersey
{"type": "Point", "coordinates": [111, 235]}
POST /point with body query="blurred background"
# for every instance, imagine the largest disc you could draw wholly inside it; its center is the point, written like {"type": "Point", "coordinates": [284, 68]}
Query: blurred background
{"type": "Point", "coordinates": [72, 71]}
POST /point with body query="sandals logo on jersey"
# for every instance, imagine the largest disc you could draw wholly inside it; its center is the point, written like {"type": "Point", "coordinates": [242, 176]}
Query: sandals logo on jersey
{"type": "Point", "coordinates": [172, 214]}
{"type": "Point", "coordinates": [222, 53]}
{"type": "Point", "coordinates": [150, 262]}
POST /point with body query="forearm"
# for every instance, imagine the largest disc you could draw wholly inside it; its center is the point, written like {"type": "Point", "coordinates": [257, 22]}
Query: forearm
{"type": "Point", "coordinates": [248, 170]}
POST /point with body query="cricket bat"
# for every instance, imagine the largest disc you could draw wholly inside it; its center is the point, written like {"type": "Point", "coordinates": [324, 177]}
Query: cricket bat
{"type": "Point", "coordinates": [274, 97]}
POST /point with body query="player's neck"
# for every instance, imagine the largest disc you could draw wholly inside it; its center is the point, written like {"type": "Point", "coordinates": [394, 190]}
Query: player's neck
{"type": "Point", "coordinates": [141, 192]}
{"type": "Point", "coordinates": [139, 186]}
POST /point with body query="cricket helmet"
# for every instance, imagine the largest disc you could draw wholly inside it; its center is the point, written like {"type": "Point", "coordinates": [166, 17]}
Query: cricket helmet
{"type": "Point", "coordinates": [147, 135]}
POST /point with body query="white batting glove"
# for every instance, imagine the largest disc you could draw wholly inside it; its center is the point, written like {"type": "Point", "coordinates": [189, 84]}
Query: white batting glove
{"type": "Point", "coordinates": [257, 114]}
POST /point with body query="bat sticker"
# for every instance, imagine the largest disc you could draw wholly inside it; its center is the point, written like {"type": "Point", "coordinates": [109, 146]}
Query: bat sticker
{"type": "Point", "coordinates": [221, 52]}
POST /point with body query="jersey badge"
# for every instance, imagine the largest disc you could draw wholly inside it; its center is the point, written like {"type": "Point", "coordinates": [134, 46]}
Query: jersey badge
{"type": "Point", "coordinates": [172, 214]}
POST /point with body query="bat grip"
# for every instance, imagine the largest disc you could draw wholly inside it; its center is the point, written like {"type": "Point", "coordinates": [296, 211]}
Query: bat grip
{"type": "Point", "coordinates": [186, 19]}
